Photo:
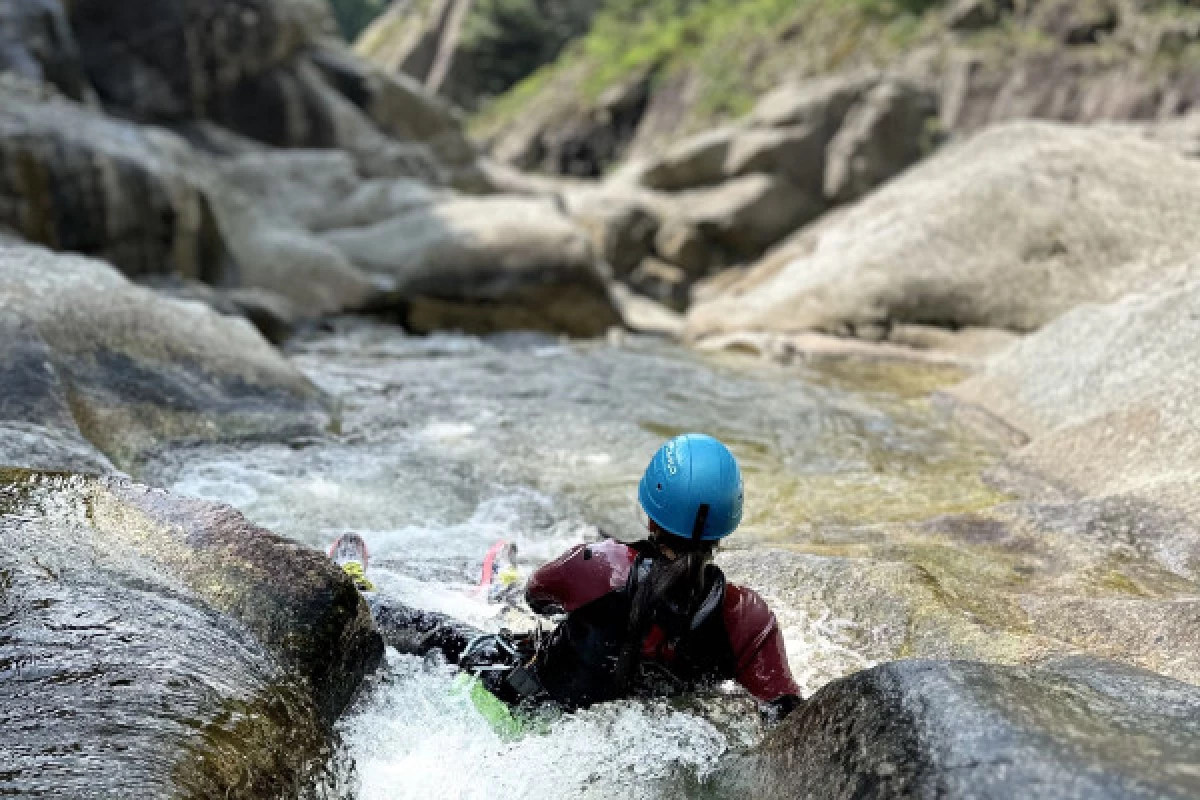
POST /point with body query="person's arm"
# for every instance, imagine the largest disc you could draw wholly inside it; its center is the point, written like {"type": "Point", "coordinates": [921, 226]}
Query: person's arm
{"type": "Point", "coordinates": [760, 658]}
{"type": "Point", "coordinates": [577, 577]}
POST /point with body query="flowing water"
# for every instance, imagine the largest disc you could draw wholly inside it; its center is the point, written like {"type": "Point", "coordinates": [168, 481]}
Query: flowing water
{"type": "Point", "coordinates": [446, 444]}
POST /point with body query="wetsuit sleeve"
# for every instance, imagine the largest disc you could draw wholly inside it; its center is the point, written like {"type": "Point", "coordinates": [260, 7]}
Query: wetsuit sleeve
{"type": "Point", "coordinates": [758, 649]}
{"type": "Point", "coordinates": [577, 577]}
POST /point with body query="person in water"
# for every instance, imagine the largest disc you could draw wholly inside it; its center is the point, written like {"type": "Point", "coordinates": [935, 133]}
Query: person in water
{"type": "Point", "coordinates": [653, 617]}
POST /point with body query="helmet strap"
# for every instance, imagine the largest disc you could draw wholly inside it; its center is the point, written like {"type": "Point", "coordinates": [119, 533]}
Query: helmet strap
{"type": "Point", "coordinates": [701, 519]}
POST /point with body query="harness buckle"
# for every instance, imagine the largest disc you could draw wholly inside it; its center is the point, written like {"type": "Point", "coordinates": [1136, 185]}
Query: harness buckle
{"type": "Point", "coordinates": [525, 682]}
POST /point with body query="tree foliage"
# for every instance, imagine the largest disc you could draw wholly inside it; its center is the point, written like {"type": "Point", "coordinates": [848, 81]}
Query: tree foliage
{"type": "Point", "coordinates": [353, 16]}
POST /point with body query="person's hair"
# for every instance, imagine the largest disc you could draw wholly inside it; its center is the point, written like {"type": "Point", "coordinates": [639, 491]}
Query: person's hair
{"type": "Point", "coordinates": [678, 582]}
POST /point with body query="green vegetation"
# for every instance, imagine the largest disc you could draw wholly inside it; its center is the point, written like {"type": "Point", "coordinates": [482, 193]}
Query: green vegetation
{"type": "Point", "coordinates": [355, 15]}
{"type": "Point", "coordinates": [735, 49]}
{"type": "Point", "coordinates": [504, 41]}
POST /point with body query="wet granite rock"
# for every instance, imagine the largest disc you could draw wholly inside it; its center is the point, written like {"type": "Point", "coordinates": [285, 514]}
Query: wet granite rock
{"type": "Point", "coordinates": [96, 359]}
{"type": "Point", "coordinates": [157, 646]}
{"type": "Point", "coordinates": [1076, 728]}
{"type": "Point", "coordinates": [37, 428]}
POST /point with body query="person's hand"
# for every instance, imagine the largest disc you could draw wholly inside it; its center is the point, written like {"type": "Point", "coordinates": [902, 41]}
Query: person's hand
{"type": "Point", "coordinates": [776, 710]}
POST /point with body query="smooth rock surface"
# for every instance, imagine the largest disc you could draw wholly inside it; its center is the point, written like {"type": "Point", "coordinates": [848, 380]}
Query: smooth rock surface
{"type": "Point", "coordinates": [36, 42]}
{"type": "Point", "coordinates": [158, 646]}
{"type": "Point", "coordinates": [129, 370]}
{"type": "Point", "coordinates": [74, 179]}
{"type": "Point", "coordinates": [1008, 230]}
{"type": "Point", "coordinates": [276, 254]}
{"type": "Point", "coordinates": [37, 428]}
{"type": "Point", "coordinates": [797, 153]}
{"type": "Point", "coordinates": [694, 162]}
{"type": "Point", "coordinates": [888, 132]}
{"type": "Point", "coordinates": [506, 261]}
{"type": "Point", "coordinates": [622, 225]}
{"type": "Point", "coordinates": [1108, 394]}
{"type": "Point", "coordinates": [194, 58]}
{"type": "Point", "coordinates": [823, 102]}
{"type": "Point", "coordinates": [1076, 728]}
{"type": "Point", "coordinates": [741, 218]}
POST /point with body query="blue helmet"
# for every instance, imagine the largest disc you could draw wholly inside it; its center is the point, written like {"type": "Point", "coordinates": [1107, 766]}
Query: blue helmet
{"type": "Point", "coordinates": [693, 488]}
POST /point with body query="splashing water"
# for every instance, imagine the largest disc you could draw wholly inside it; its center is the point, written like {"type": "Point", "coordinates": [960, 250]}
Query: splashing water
{"type": "Point", "coordinates": [449, 443]}
{"type": "Point", "coordinates": [416, 737]}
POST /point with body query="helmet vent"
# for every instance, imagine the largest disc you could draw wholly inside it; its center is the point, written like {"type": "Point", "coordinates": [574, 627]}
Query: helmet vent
{"type": "Point", "coordinates": [659, 487]}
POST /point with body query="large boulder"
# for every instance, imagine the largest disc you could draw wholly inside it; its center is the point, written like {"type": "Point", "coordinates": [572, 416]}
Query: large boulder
{"type": "Point", "coordinates": [36, 42]}
{"type": "Point", "coordinates": [265, 69]}
{"type": "Point", "coordinates": [694, 162]}
{"type": "Point", "coordinates": [1107, 393]}
{"type": "Point", "coordinates": [139, 197]}
{"type": "Point", "coordinates": [37, 427]}
{"type": "Point", "coordinates": [77, 180]}
{"type": "Point", "coordinates": [376, 154]}
{"type": "Point", "coordinates": [1008, 229]}
{"type": "Point", "coordinates": [485, 264]}
{"type": "Point", "coordinates": [191, 59]}
{"type": "Point", "coordinates": [823, 102]}
{"type": "Point", "coordinates": [790, 130]}
{"type": "Point", "coordinates": [272, 252]}
{"type": "Point", "coordinates": [403, 110]}
{"type": "Point", "coordinates": [93, 359]}
{"type": "Point", "coordinates": [320, 190]}
{"type": "Point", "coordinates": [888, 132]}
{"type": "Point", "coordinates": [1016, 583]}
{"type": "Point", "coordinates": [743, 217]}
{"type": "Point", "coordinates": [160, 646]}
{"type": "Point", "coordinates": [796, 153]}
{"type": "Point", "coordinates": [1072, 729]}
{"type": "Point", "coordinates": [621, 224]}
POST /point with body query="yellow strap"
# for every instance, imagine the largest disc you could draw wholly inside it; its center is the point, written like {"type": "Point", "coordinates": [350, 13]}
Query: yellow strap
{"type": "Point", "coordinates": [358, 575]}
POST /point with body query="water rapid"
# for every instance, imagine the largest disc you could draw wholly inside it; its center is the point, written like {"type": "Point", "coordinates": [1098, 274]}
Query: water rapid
{"type": "Point", "coordinates": [448, 443]}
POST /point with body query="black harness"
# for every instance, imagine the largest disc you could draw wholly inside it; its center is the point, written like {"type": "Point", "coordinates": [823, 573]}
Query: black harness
{"type": "Point", "coordinates": [580, 663]}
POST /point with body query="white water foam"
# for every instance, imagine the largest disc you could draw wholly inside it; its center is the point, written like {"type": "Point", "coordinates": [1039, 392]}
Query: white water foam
{"type": "Point", "coordinates": [415, 736]}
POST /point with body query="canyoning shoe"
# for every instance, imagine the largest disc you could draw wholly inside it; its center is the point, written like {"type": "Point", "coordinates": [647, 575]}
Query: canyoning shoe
{"type": "Point", "coordinates": [349, 551]}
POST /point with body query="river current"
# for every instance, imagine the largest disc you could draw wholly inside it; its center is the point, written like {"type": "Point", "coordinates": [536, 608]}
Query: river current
{"type": "Point", "coordinates": [446, 444]}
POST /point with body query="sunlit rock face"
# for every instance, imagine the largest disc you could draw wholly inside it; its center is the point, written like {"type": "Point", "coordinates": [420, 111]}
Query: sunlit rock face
{"type": "Point", "coordinates": [1009, 229]}
{"type": "Point", "coordinates": [1108, 393]}
{"type": "Point", "coordinates": [487, 264]}
{"type": "Point", "coordinates": [160, 646]}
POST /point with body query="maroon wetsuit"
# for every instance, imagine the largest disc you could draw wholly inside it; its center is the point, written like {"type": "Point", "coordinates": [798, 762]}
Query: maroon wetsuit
{"type": "Point", "coordinates": [738, 639]}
